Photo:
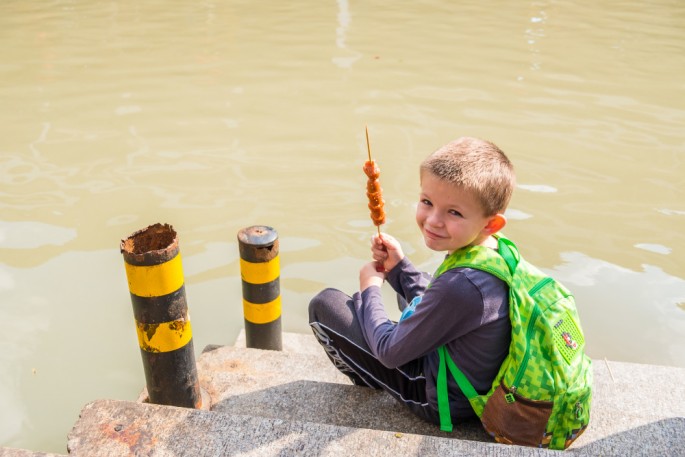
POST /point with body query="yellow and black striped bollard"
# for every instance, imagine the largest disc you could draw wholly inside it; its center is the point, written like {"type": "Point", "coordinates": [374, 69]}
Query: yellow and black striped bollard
{"type": "Point", "coordinates": [155, 280]}
{"type": "Point", "coordinates": [260, 274]}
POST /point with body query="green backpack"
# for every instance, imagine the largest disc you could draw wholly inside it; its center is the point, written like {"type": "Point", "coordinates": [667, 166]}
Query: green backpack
{"type": "Point", "coordinates": [541, 395]}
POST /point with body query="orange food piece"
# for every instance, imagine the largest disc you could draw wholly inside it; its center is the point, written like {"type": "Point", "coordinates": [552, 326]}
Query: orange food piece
{"type": "Point", "coordinates": [378, 217]}
{"type": "Point", "coordinates": [371, 169]}
{"type": "Point", "coordinates": [375, 208]}
{"type": "Point", "coordinates": [375, 198]}
{"type": "Point", "coordinates": [373, 186]}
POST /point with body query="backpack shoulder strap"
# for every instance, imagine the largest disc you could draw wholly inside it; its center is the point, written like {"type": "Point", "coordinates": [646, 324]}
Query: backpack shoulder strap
{"type": "Point", "coordinates": [501, 263]}
{"type": "Point", "coordinates": [464, 384]}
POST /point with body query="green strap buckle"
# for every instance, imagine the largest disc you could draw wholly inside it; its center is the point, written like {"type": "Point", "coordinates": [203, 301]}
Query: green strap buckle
{"type": "Point", "coordinates": [509, 398]}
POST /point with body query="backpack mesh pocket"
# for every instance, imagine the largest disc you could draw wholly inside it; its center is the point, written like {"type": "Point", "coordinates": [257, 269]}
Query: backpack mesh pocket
{"type": "Point", "coordinates": [521, 421]}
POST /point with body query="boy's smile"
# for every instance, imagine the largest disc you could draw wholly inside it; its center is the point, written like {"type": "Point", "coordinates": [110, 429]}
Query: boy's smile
{"type": "Point", "coordinates": [449, 217]}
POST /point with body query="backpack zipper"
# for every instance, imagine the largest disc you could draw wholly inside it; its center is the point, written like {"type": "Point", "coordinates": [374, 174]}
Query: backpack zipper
{"type": "Point", "coordinates": [529, 334]}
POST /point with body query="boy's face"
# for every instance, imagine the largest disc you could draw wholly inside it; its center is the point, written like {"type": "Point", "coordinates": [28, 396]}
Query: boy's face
{"type": "Point", "coordinates": [449, 217]}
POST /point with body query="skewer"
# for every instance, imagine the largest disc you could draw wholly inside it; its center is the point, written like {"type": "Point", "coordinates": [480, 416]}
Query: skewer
{"type": "Point", "coordinates": [368, 148]}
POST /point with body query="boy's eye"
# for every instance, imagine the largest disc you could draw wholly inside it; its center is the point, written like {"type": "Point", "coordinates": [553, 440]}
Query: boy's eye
{"type": "Point", "coordinates": [454, 212]}
{"type": "Point", "coordinates": [427, 202]}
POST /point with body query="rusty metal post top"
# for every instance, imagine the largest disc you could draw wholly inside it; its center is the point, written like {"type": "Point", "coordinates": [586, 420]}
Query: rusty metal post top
{"type": "Point", "coordinates": [258, 236]}
{"type": "Point", "coordinates": [154, 244]}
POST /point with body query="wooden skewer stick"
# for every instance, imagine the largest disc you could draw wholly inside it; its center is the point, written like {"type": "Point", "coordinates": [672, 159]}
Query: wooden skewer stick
{"type": "Point", "coordinates": [368, 148]}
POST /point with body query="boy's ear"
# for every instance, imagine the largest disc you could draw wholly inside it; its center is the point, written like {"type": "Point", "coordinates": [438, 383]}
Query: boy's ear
{"type": "Point", "coordinates": [495, 224]}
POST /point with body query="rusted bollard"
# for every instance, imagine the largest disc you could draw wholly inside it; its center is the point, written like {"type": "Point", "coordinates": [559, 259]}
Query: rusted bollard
{"type": "Point", "coordinates": [260, 274]}
{"type": "Point", "coordinates": [155, 280]}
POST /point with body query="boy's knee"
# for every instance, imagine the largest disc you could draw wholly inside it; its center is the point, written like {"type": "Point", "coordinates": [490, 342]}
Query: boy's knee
{"type": "Point", "coordinates": [317, 303]}
{"type": "Point", "coordinates": [326, 304]}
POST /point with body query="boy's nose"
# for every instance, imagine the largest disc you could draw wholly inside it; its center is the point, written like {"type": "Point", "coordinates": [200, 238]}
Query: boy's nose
{"type": "Point", "coordinates": [434, 219]}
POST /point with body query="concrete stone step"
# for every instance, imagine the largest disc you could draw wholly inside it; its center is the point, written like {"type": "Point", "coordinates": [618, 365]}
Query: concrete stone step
{"type": "Point", "coordinates": [298, 386]}
{"type": "Point", "coordinates": [110, 428]}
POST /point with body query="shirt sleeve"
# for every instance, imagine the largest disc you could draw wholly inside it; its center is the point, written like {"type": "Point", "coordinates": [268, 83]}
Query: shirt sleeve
{"type": "Point", "coordinates": [450, 308]}
{"type": "Point", "coordinates": [406, 280]}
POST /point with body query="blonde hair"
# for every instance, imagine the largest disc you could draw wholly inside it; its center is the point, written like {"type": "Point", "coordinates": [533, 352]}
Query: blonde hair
{"type": "Point", "coordinates": [477, 166]}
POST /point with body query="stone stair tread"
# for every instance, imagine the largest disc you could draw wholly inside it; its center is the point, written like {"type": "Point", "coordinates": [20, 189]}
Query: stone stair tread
{"type": "Point", "coordinates": [301, 383]}
{"type": "Point", "coordinates": [109, 428]}
{"type": "Point", "coordinates": [296, 386]}
{"type": "Point", "coordinates": [341, 405]}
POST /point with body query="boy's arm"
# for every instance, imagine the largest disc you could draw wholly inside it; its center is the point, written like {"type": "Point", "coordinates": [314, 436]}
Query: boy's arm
{"type": "Point", "coordinates": [400, 273]}
{"type": "Point", "coordinates": [406, 280]}
{"type": "Point", "coordinates": [452, 307]}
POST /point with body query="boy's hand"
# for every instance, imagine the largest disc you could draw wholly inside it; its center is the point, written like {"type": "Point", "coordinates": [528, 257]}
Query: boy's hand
{"type": "Point", "coordinates": [370, 276]}
{"type": "Point", "coordinates": [386, 251]}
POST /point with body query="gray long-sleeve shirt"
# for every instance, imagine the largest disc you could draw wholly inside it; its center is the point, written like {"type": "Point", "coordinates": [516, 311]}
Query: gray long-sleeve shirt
{"type": "Point", "coordinates": [466, 309]}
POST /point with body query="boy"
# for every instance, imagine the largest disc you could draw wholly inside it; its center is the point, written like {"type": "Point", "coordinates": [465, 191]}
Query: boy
{"type": "Point", "coordinates": [465, 188]}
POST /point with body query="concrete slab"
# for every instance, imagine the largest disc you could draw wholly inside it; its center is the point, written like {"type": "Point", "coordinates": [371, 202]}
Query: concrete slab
{"type": "Point", "coordinates": [637, 407]}
{"type": "Point", "coordinates": [109, 428]}
{"type": "Point", "coordinates": [296, 386]}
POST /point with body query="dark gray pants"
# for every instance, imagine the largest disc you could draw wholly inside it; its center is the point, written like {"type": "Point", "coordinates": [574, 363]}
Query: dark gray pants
{"type": "Point", "coordinates": [335, 325]}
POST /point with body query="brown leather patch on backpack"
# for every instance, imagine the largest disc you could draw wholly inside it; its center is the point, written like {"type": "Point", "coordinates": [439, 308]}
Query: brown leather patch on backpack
{"type": "Point", "coordinates": [521, 421]}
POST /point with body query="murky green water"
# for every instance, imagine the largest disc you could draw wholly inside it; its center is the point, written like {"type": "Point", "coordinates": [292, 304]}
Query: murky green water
{"type": "Point", "coordinates": [218, 116]}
